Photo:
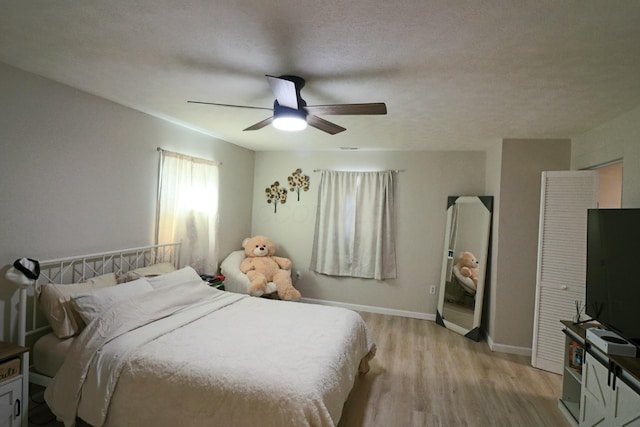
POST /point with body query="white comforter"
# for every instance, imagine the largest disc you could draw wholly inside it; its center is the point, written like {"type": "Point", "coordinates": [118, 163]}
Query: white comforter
{"type": "Point", "coordinates": [191, 355]}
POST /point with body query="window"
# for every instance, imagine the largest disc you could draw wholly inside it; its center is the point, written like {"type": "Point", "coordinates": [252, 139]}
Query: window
{"type": "Point", "coordinates": [187, 209]}
{"type": "Point", "coordinates": [354, 234]}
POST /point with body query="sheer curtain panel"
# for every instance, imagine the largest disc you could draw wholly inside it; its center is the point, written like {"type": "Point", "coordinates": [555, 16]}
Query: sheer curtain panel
{"type": "Point", "coordinates": [354, 234]}
{"type": "Point", "coordinates": [188, 209]}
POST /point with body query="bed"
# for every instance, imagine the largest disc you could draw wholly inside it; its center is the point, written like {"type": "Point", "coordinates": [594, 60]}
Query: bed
{"type": "Point", "coordinates": [165, 349]}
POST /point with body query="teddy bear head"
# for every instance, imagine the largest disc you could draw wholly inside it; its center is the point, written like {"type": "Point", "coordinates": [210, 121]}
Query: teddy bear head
{"type": "Point", "coordinates": [258, 246]}
{"type": "Point", "coordinates": [468, 259]}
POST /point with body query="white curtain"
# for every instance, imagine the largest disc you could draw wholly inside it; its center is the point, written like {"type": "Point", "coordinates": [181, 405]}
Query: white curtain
{"type": "Point", "coordinates": [187, 209]}
{"type": "Point", "coordinates": [354, 234]}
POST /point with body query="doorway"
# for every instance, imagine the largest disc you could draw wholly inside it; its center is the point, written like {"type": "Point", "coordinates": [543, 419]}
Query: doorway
{"type": "Point", "coordinates": [610, 185]}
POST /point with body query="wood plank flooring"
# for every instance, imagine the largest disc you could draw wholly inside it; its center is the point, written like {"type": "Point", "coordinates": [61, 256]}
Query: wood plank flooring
{"type": "Point", "coordinates": [426, 375]}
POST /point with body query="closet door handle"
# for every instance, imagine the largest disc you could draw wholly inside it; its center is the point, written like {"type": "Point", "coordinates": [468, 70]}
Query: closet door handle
{"type": "Point", "coordinates": [16, 408]}
{"type": "Point", "coordinates": [564, 287]}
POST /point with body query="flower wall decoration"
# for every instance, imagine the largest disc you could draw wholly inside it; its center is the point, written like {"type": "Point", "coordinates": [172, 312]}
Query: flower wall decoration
{"type": "Point", "coordinates": [298, 181]}
{"type": "Point", "coordinates": [276, 194]}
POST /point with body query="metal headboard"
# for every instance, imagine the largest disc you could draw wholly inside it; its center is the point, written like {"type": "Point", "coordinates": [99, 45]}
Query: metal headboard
{"type": "Point", "coordinates": [32, 324]}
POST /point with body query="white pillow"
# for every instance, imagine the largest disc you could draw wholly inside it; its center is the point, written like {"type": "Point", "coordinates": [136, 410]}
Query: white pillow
{"type": "Point", "coordinates": [186, 274]}
{"type": "Point", "coordinates": [55, 302]}
{"type": "Point", "coordinates": [91, 305]}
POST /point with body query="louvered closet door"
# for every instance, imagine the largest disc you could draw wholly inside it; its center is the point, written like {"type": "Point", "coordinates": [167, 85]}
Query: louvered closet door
{"type": "Point", "coordinates": [562, 252]}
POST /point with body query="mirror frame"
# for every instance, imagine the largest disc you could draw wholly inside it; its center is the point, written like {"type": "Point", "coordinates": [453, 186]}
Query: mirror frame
{"type": "Point", "coordinates": [473, 332]}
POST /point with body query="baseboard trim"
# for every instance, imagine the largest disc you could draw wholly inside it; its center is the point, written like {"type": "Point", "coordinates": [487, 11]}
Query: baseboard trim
{"type": "Point", "coordinates": [511, 349]}
{"type": "Point", "coordinates": [500, 348]}
{"type": "Point", "coordinates": [372, 309]}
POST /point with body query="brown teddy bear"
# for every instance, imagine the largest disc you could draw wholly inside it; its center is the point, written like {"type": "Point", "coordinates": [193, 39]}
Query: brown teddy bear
{"type": "Point", "coordinates": [261, 267]}
{"type": "Point", "coordinates": [468, 265]}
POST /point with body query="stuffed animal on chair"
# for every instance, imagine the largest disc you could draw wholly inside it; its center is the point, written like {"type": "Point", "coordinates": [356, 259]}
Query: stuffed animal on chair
{"type": "Point", "coordinates": [262, 267]}
{"type": "Point", "coordinates": [468, 264]}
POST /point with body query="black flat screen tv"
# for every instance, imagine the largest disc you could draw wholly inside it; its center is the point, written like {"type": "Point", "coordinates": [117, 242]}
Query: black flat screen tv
{"type": "Point", "coordinates": [613, 270]}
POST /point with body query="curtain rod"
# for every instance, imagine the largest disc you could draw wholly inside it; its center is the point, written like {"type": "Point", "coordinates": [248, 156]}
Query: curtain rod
{"type": "Point", "coordinates": [187, 157]}
{"type": "Point", "coordinates": [387, 170]}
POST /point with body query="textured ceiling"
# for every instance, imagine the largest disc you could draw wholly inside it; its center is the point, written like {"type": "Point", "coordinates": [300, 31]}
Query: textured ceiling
{"type": "Point", "coordinates": [454, 74]}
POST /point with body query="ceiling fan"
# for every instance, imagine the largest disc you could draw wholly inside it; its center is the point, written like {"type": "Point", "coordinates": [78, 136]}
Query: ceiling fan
{"type": "Point", "coordinates": [291, 112]}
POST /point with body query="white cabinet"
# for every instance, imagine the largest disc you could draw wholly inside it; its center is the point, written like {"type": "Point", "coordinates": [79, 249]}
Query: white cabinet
{"type": "Point", "coordinates": [606, 400]}
{"type": "Point", "coordinates": [14, 385]}
{"type": "Point", "coordinates": [11, 402]}
{"type": "Point", "coordinates": [569, 402]}
{"type": "Point", "coordinates": [625, 406]}
{"type": "Point", "coordinates": [596, 392]}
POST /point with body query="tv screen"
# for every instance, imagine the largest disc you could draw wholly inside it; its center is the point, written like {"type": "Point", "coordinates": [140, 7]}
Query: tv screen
{"type": "Point", "coordinates": [613, 270]}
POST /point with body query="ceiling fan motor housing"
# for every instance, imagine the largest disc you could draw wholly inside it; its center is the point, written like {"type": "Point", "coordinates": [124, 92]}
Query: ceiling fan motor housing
{"type": "Point", "coordinates": [282, 111]}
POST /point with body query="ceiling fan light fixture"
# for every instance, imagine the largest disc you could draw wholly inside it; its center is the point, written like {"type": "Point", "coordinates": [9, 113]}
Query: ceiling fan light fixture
{"type": "Point", "coordinates": [289, 119]}
{"type": "Point", "coordinates": [291, 113]}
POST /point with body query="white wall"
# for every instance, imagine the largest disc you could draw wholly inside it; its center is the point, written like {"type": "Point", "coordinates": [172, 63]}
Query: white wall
{"type": "Point", "coordinates": [79, 175]}
{"type": "Point", "coordinates": [421, 201]}
{"type": "Point", "coordinates": [516, 237]}
{"type": "Point", "coordinates": [494, 170]}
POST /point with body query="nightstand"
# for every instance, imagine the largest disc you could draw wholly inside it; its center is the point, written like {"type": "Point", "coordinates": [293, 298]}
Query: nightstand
{"type": "Point", "coordinates": [14, 385]}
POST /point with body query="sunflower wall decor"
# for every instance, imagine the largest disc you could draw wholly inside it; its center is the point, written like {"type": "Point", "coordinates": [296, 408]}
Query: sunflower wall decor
{"type": "Point", "coordinates": [276, 194]}
{"type": "Point", "coordinates": [298, 182]}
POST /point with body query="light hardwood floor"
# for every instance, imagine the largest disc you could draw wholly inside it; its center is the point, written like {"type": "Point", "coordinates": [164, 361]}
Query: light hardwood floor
{"type": "Point", "coordinates": [426, 375]}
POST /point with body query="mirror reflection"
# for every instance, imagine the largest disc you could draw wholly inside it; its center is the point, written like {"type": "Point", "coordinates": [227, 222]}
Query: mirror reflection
{"type": "Point", "coordinates": [466, 250]}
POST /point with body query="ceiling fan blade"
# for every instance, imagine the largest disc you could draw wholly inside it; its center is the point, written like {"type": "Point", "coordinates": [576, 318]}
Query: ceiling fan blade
{"type": "Point", "coordinates": [261, 124]}
{"type": "Point", "coordinates": [284, 91]}
{"type": "Point", "coordinates": [349, 109]}
{"type": "Point", "coordinates": [324, 125]}
{"type": "Point", "coordinates": [230, 105]}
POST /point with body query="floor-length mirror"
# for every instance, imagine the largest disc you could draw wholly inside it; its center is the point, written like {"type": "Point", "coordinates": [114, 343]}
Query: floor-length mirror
{"type": "Point", "coordinates": [464, 267]}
